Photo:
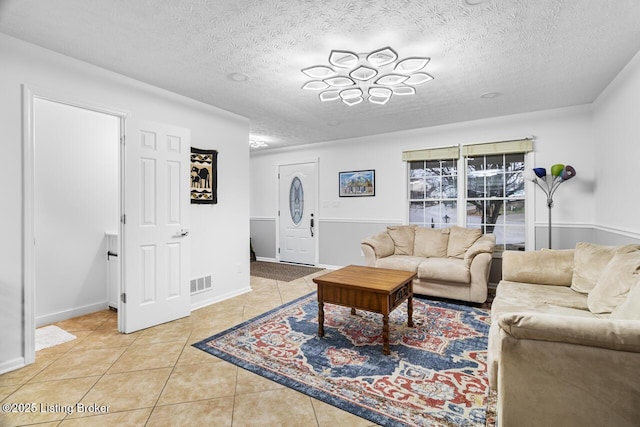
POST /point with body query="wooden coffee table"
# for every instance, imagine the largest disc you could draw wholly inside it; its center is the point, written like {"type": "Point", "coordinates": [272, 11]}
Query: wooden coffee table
{"type": "Point", "coordinates": [379, 290]}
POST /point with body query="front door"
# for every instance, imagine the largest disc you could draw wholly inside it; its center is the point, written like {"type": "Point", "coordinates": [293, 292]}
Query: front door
{"type": "Point", "coordinates": [297, 213]}
{"type": "Point", "coordinates": [155, 237]}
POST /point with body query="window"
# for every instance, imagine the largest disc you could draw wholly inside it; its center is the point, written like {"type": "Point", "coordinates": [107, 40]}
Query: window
{"type": "Point", "coordinates": [486, 189]}
{"type": "Point", "coordinates": [433, 193]}
{"type": "Point", "coordinates": [495, 198]}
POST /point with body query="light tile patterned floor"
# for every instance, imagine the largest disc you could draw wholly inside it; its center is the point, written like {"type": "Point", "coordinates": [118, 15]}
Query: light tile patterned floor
{"type": "Point", "coordinates": [155, 378]}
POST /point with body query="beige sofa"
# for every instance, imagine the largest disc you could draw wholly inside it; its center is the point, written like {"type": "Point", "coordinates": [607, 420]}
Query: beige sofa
{"type": "Point", "coordinates": [450, 262]}
{"type": "Point", "coordinates": [564, 342]}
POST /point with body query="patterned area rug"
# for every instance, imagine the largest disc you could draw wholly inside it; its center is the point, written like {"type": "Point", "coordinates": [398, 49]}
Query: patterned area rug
{"type": "Point", "coordinates": [435, 375]}
{"type": "Point", "coordinates": [280, 271]}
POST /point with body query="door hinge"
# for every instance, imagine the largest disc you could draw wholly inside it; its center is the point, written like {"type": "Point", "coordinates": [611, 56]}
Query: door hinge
{"type": "Point", "coordinates": [123, 219]}
{"type": "Point", "coordinates": [122, 139]}
{"type": "Point", "coordinates": [278, 250]}
{"type": "Point", "coordinates": [123, 298]}
{"type": "Point", "coordinates": [278, 212]}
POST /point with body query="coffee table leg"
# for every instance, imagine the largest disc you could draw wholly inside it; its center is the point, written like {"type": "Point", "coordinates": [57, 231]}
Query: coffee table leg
{"type": "Point", "coordinates": [410, 311]}
{"type": "Point", "coordinates": [385, 334]}
{"type": "Point", "coordinates": [320, 319]}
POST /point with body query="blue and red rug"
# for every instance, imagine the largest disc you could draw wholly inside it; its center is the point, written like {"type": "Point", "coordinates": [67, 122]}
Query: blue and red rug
{"type": "Point", "coordinates": [435, 375]}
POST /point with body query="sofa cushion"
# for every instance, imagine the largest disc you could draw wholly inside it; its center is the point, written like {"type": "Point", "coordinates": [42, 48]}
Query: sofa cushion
{"type": "Point", "coordinates": [461, 239]}
{"type": "Point", "coordinates": [447, 269]}
{"type": "Point", "coordinates": [590, 260]}
{"type": "Point", "coordinates": [547, 267]}
{"type": "Point", "coordinates": [431, 242]}
{"type": "Point", "coordinates": [617, 278]}
{"type": "Point", "coordinates": [400, 262]}
{"type": "Point", "coordinates": [526, 297]}
{"type": "Point", "coordinates": [403, 237]}
{"type": "Point", "coordinates": [630, 307]}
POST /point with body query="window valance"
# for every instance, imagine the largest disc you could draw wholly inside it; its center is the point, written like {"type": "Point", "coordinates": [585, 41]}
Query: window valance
{"type": "Point", "coordinates": [502, 147]}
{"type": "Point", "coordinates": [442, 153]}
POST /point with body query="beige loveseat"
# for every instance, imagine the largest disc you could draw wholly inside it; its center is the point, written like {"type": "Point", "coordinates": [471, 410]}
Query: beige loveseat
{"type": "Point", "coordinates": [564, 342]}
{"type": "Point", "coordinates": [450, 262]}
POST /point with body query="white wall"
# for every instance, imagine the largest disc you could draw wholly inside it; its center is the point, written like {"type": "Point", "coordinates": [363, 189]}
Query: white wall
{"type": "Point", "coordinates": [220, 233]}
{"type": "Point", "coordinates": [76, 202]}
{"type": "Point", "coordinates": [561, 136]}
{"type": "Point", "coordinates": [617, 134]}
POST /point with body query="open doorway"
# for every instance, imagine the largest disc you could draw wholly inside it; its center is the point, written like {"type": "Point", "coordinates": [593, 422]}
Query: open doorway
{"type": "Point", "coordinates": [72, 198]}
{"type": "Point", "coordinates": [75, 209]}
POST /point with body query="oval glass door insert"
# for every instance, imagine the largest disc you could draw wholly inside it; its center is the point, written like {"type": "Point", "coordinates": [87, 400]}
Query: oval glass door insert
{"type": "Point", "coordinates": [296, 200]}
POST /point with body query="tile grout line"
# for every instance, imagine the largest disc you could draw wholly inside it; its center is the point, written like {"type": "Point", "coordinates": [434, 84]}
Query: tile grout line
{"type": "Point", "coordinates": [101, 376]}
{"type": "Point", "coordinates": [173, 368]}
{"type": "Point", "coordinates": [126, 347]}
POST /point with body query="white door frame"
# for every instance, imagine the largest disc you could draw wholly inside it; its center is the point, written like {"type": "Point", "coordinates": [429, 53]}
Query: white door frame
{"type": "Point", "coordinates": [315, 160]}
{"type": "Point", "coordinates": [28, 202]}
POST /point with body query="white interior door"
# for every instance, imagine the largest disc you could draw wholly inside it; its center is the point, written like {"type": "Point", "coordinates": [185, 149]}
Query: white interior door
{"type": "Point", "coordinates": [156, 248]}
{"type": "Point", "coordinates": [297, 213]}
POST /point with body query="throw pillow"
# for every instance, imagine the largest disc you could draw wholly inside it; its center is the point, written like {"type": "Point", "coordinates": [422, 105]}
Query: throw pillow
{"type": "Point", "coordinates": [611, 289]}
{"type": "Point", "coordinates": [431, 242]}
{"type": "Point", "coordinates": [403, 237]}
{"type": "Point", "coordinates": [461, 239]}
{"type": "Point", "coordinates": [589, 261]}
{"type": "Point", "coordinates": [630, 307]}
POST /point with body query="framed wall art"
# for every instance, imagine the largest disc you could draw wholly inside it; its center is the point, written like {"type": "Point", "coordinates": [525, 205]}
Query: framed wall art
{"type": "Point", "coordinates": [357, 183]}
{"type": "Point", "coordinates": [204, 176]}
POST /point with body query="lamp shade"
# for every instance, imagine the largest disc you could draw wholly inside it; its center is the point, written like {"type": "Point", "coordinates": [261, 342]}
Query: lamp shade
{"type": "Point", "coordinates": [540, 172]}
{"type": "Point", "coordinates": [556, 170]}
{"type": "Point", "coordinates": [568, 173]}
{"type": "Point", "coordinates": [529, 175]}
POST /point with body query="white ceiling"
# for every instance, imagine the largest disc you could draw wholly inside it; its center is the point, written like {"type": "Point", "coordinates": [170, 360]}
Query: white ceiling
{"type": "Point", "coordinates": [538, 54]}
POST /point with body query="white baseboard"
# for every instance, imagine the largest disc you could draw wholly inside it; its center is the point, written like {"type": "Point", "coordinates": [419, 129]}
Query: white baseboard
{"type": "Point", "coordinates": [327, 266]}
{"type": "Point", "coordinates": [47, 319]}
{"type": "Point", "coordinates": [219, 298]}
{"type": "Point", "coordinates": [12, 365]}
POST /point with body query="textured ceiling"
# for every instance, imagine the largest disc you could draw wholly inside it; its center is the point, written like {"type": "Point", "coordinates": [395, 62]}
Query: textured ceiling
{"type": "Point", "coordinates": [536, 54]}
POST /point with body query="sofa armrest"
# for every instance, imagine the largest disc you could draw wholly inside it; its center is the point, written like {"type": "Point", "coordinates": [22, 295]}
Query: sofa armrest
{"type": "Point", "coordinates": [621, 335]}
{"type": "Point", "coordinates": [377, 246]}
{"type": "Point", "coordinates": [485, 244]}
{"type": "Point", "coordinates": [553, 267]}
{"type": "Point", "coordinates": [562, 371]}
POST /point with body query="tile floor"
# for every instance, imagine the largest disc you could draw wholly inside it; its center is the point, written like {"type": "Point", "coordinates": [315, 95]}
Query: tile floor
{"type": "Point", "coordinates": [155, 378]}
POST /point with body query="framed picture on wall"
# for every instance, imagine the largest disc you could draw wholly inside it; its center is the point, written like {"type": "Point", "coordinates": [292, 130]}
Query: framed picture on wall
{"type": "Point", "coordinates": [204, 176]}
{"type": "Point", "coordinates": [357, 183]}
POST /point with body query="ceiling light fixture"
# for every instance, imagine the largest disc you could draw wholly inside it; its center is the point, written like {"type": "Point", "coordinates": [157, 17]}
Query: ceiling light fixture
{"type": "Point", "coordinates": [257, 144]}
{"type": "Point", "coordinates": [375, 76]}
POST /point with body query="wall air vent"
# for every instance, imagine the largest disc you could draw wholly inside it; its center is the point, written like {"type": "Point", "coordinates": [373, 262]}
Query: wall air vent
{"type": "Point", "coordinates": [201, 284]}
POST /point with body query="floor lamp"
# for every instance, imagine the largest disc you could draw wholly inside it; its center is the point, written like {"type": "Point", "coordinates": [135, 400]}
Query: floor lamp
{"type": "Point", "coordinates": [550, 183]}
